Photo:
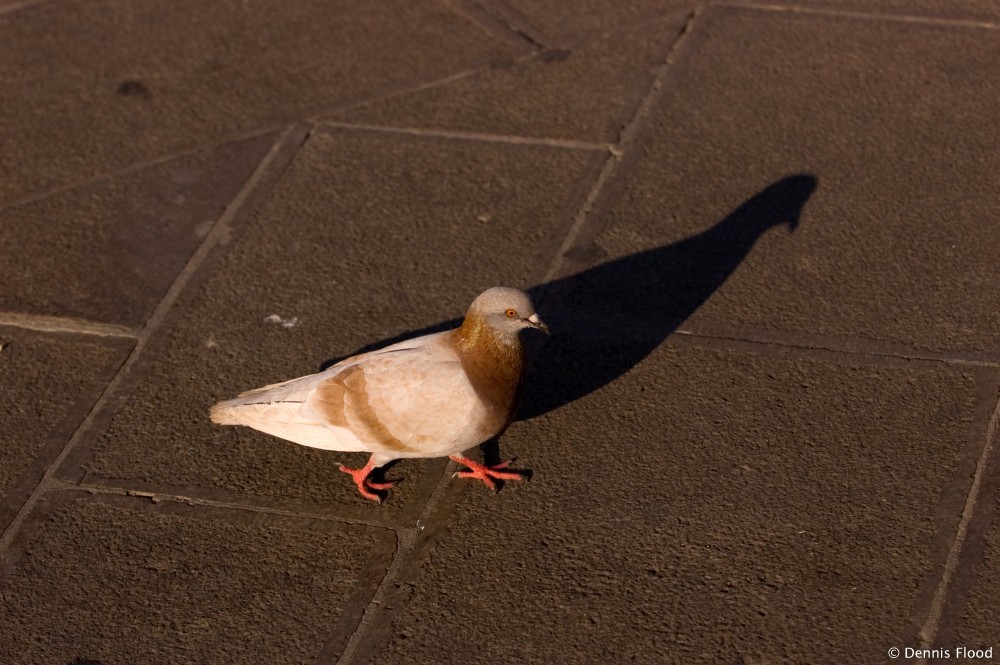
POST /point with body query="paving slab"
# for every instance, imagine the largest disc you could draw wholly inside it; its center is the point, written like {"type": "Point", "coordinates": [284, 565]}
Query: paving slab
{"type": "Point", "coordinates": [366, 237]}
{"type": "Point", "coordinates": [108, 251]}
{"type": "Point", "coordinates": [712, 505]}
{"type": "Point", "coordinates": [49, 384]}
{"type": "Point", "coordinates": [93, 87]}
{"type": "Point", "coordinates": [582, 93]}
{"type": "Point", "coordinates": [896, 243]}
{"type": "Point", "coordinates": [107, 580]}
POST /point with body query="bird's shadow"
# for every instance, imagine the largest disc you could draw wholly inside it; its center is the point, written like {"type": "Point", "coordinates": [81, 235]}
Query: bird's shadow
{"type": "Point", "coordinates": [606, 319]}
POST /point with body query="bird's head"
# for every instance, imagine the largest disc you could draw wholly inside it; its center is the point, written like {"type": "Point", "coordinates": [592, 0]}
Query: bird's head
{"type": "Point", "coordinates": [505, 311]}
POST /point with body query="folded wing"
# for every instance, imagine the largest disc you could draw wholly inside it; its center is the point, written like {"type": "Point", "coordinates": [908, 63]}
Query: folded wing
{"type": "Point", "coordinates": [402, 401]}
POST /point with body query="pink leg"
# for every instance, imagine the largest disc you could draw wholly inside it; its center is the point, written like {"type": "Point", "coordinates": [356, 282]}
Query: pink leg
{"type": "Point", "coordinates": [366, 486]}
{"type": "Point", "coordinates": [487, 474]}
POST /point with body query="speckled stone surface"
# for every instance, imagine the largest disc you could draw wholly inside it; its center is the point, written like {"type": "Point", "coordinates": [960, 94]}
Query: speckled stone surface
{"type": "Point", "coordinates": [49, 383]}
{"type": "Point", "coordinates": [116, 582]}
{"type": "Point", "coordinates": [94, 87]}
{"type": "Point", "coordinates": [890, 246]}
{"type": "Point", "coordinates": [108, 251]}
{"type": "Point", "coordinates": [708, 506]}
{"type": "Point", "coordinates": [584, 92]}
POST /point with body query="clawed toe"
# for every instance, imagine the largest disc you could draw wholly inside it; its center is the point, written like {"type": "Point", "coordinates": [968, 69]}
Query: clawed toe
{"type": "Point", "coordinates": [487, 474]}
{"type": "Point", "coordinates": [366, 487]}
{"type": "Point", "coordinates": [387, 485]}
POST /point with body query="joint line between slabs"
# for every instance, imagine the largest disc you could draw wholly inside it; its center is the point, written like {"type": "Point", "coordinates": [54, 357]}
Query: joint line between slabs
{"type": "Point", "coordinates": [18, 6]}
{"type": "Point", "coordinates": [929, 630]}
{"type": "Point", "coordinates": [473, 136]}
{"type": "Point", "coordinates": [56, 484]}
{"type": "Point", "coordinates": [62, 324]}
{"type": "Point", "coordinates": [628, 136]}
{"type": "Point", "coordinates": [945, 359]}
{"type": "Point", "coordinates": [219, 229]}
{"type": "Point", "coordinates": [406, 542]}
{"type": "Point", "coordinates": [505, 27]}
{"type": "Point", "coordinates": [324, 116]}
{"type": "Point", "coordinates": [134, 167]}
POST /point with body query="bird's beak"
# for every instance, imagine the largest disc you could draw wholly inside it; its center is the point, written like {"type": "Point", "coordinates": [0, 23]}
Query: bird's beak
{"type": "Point", "coordinates": [536, 322]}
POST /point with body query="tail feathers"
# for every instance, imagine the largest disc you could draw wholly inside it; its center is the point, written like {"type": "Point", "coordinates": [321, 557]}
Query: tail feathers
{"type": "Point", "coordinates": [243, 411]}
{"type": "Point", "coordinates": [278, 399]}
{"type": "Point", "coordinates": [284, 420]}
{"type": "Point", "coordinates": [225, 413]}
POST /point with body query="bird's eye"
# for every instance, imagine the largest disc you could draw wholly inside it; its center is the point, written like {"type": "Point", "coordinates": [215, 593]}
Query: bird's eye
{"type": "Point", "coordinates": [511, 313]}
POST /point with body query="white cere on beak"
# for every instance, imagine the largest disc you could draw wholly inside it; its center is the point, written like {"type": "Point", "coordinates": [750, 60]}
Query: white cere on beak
{"type": "Point", "coordinates": [536, 321]}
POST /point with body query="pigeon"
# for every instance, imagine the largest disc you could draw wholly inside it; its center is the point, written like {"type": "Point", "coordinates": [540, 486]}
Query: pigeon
{"type": "Point", "coordinates": [431, 396]}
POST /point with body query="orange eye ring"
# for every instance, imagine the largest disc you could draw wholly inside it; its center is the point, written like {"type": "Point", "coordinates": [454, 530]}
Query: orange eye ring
{"type": "Point", "coordinates": [511, 313]}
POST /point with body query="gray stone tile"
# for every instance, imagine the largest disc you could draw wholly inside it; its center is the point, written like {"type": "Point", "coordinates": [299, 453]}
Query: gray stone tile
{"type": "Point", "coordinates": [895, 245]}
{"type": "Point", "coordinates": [583, 93]}
{"type": "Point", "coordinates": [92, 87]}
{"type": "Point", "coordinates": [109, 250]}
{"type": "Point", "coordinates": [712, 505]}
{"type": "Point", "coordinates": [49, 384]}
{"type": "Point", "coordinates": [115, 580]}
{"type": "Point", "coordinates": [368, 236]}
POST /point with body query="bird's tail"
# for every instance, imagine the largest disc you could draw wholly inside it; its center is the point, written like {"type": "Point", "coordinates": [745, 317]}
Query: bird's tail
{"type": "Point", "coordinates": [225, 413]}
{"type": "Point", "coordinates": [245, 409]}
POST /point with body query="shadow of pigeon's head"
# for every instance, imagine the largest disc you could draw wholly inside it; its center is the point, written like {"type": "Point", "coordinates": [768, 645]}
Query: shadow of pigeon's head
{"type": "Point", "coordinates": [781, 202]}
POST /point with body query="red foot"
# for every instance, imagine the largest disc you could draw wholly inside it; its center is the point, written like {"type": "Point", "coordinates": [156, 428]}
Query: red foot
{"type": "Point", "coordinates": [366, 486]}
{"type": "Point", "coordinates": [487, 474]}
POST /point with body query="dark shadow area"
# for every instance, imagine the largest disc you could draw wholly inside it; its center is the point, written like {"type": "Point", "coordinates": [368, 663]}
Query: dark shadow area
{"type": "Point", "coordinates": [606, 319]}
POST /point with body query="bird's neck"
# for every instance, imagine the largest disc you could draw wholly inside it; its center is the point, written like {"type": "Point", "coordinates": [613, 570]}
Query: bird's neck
{"type": "Point", "coordinates": [495, 365]}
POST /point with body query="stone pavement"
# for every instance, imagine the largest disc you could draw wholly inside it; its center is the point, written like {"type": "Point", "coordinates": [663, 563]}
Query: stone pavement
{"type": "Point", "coordinates": [765, 235]}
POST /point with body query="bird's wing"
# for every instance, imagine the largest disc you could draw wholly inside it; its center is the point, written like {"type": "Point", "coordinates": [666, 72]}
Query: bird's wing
{"type": "Point", "coordinates": [298, 388]}
{"type": "Point", "coordinates": [408, 402]}
{"type": "Point", "coordinates": [399, 401]}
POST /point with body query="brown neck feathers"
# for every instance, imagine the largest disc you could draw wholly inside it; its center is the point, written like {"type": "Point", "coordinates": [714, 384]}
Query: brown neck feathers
{"type": "Point", "coordinates": [494, 367]}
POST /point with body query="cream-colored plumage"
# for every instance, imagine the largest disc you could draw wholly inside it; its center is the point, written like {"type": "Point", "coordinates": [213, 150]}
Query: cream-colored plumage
{"type": "Point", "coordinates": [406, 387]}
{"type": "Point", "coordinates": [430, 396]}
